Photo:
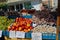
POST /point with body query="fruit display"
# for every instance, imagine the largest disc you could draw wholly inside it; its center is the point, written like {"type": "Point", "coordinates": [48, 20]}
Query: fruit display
{"type": "Point", "coordinates": [5, 22]}
{"type": "Point", "coordinates": [21, 24]}
{"type": "Point", "coordinates": [44, 29]}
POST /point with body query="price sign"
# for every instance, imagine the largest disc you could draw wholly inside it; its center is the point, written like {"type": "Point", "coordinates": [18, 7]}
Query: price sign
{"type": "Point", "coordinates": [0, 33]}
{"type": "Point", "coordinates": [36, 36]}
{"type": "Point", "coordinates": [12, 34]}
{"type": "Point", "coordinates": [20, 34]}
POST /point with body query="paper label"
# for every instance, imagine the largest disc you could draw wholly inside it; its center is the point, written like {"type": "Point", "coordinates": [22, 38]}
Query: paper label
{"type": "Point", "coordinates": [20, 34]}
{"type": "Point", "coordinates": [0, 33]}
{"type": "Point", "coordinates": [36, 36]}
{"type": "Point", "coordinates": [12, 34]}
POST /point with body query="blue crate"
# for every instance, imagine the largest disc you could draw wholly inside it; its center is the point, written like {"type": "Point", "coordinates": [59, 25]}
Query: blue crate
{"type": "Point", "coordinates": [44, 36]}
{"type": "Point", "coordinates": [54, 36]}
{"type": "Point", "coordinates": [28, 35]}
{"type": "Point", "coordinates": [5, 33]}
{"type": "Point", "coordinates": [49, 36]}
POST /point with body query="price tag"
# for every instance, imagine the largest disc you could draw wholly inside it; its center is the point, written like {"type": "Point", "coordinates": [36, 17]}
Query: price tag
{"type": "Point", "coordinates": [20, 34]}
{"type": "Point", "coordinates": [0, 33]}
{"type": "Point", "coordinates": [12, 34]}
{"type": "Point", "coordinates": [36, 36]}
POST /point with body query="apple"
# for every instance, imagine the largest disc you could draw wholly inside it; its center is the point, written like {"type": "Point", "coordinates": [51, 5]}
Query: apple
{"type": "Point", "coordinates": [14, 24]}
{"type": "Point", "coordinates": [16, 29]}
{"type": "Point", "coordinates": [13, 27]}
{"type": "Point", "coordinates": [17, 25]}
{"type": "Point", "coordinates": [25, 30]}
{"type": "Point", "coordinates": [20, 28]}
{"type": "Point", "coordinates": [29, 29]}
{"type": "Point", "coordinates": [28, 25]}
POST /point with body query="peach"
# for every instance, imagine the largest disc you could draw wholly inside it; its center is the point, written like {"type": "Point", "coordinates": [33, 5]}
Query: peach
{"type": "Point", "coordinates": [16, 29]}
{"type": "Point", "coordinates": [25, 30]}
{"type": "Point", "coordinates": [14, 24]}
{"type": "Point", "coordinates": [28, 25]}
{"type": "Point", "coordinates": [20, 28]}
{"type": "Point", "coordinates": [28, 29]}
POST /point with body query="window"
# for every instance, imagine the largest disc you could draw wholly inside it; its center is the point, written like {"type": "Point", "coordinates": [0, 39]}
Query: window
{"type": "Point", "coordinates": [27, 5]}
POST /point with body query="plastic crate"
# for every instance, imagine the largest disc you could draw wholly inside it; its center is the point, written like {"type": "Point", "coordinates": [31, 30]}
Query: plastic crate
{"type": "Point", "coordinates": [28, 35]}
{"type": "Point", "coordinates": [48, 36]}
{"type": "Point", "coordinates": [5, 33]}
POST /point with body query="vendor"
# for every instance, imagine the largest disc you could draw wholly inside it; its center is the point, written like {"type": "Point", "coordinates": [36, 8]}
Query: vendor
{"type": "Point", "coordinates": [25, 14]}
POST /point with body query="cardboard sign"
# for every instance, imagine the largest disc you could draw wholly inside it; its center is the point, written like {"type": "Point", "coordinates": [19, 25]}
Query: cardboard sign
{"type": "Point", "coordinates": [12, 34]}
{"type": "Point", "coordinates": [36, 36]}
{"type": "Point", "coordinates": [20, 34]}
{"type": "Point", "coordinates": [0, 33]}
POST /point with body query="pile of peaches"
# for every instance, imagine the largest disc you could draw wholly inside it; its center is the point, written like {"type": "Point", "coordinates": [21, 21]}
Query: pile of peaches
{"type": "Point", "coordinates": [21, 24]}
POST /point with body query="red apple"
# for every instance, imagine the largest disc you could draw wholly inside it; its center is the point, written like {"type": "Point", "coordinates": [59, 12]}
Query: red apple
{"type": "Point", "coordinates": [13, 27]}
{"type": "Point", "coordinates": [25, 30]}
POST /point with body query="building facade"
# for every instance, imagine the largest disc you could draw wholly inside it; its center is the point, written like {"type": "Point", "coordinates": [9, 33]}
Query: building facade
{"type": "Point", "coordinates": [27, 4]}
{"type": "Point", "coordinates": [51, 3]}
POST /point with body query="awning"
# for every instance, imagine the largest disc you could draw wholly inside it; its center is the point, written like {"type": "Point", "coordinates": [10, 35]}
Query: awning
{"type": "Point", "coordinates": [12, 2]}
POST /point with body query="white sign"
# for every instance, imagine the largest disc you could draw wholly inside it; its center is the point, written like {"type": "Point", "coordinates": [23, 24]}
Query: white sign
{"type": "Point", "coordinates": [20, 34]}
{"type": "Point", "coordinates": [34, 25]}
{"type": "Point", "coordinates": [36, 36]}
{"type": "Point", "coordinates": [0, 33]}
{"type": "Point", "coordinates": [12, 34]}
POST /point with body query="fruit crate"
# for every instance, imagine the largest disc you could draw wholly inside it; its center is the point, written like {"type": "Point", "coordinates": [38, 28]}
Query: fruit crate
{"type": "Point", "coordinates": [46, 36]}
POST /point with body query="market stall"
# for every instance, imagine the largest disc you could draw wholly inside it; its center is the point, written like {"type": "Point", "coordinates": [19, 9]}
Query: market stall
{"type": "Point", "coordinates": [29, 26]}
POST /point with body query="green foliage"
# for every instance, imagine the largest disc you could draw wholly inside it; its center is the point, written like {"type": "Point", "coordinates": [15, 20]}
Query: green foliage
{"type": "Point", "coordinates": [3, 4]}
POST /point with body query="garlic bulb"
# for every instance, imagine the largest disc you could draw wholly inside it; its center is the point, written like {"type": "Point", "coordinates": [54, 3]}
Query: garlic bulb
{"type": "Point", "coordinates": [44, 29]}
